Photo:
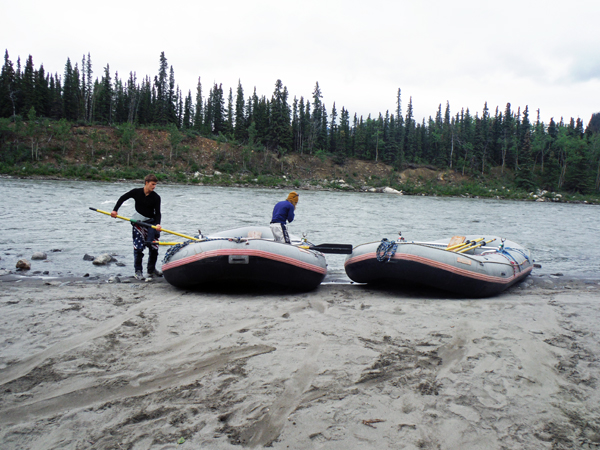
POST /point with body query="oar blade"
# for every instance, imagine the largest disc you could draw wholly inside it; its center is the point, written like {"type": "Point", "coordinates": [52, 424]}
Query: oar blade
{"type": "Point", "coordinates": [339, 249]}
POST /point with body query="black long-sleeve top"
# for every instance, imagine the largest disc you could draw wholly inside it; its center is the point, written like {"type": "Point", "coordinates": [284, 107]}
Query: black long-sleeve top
{"type": "Point", "coordinates": [146, 205]}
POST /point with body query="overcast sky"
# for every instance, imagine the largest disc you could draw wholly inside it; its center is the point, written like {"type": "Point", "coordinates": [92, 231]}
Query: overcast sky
{"type": "Point", "coordinates": [544, 54]}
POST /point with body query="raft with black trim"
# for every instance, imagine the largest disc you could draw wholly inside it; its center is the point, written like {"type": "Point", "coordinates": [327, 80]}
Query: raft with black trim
{"type": "Point", "coordinates": [244, 254]}
{"type": "Point", "coordinates": [473, 266]}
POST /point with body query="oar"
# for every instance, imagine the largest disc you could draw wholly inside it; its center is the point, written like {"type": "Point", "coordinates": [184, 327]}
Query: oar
{"type": "Point", "coordinates": [339, 249]}
{"type": "Point", "coordinates": [476, 246]}
{"type": "Point", "coordinates": [468, 246]}
{"type": "Point", "coordinates": [457, 247]}
{"type": "Point", "coordinates": [144, 224]}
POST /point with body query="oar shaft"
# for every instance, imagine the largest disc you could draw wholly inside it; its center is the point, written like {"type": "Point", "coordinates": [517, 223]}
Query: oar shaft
{"type": "Point", "coordinates": [178, 234]}
{"type": "Point", "coordinates": [108, 214]}
{"type": "Point", "coordinates": [146, 225]}
{"type": "Point", "coordinates": [466, 249]}
{"type": "Point", "coordinates": [476, 246]}
{"type": "Point", "coordinates": [457, 246]}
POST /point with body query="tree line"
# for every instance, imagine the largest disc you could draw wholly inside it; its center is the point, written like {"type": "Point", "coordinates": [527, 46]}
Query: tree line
{"type": "Point", "coordinates": [559, 155]}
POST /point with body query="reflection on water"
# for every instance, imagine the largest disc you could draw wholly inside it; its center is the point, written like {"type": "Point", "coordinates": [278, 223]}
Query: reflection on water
{"type": "Point", "coordinates": [47, 215]}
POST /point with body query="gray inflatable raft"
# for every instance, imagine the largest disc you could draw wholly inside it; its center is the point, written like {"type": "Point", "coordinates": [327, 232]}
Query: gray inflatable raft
{"type": "Point", "coordinates": [244, 254]}
{"type": "Point", "coordinates": [473, 266]}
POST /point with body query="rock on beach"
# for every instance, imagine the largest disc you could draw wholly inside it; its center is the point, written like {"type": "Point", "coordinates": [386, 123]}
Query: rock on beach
{"type": "Point", "coordinates": [39, 255]}
{"type": "Point", "coordinates": [102, 259]}
{"type": "Point", "coordinates": [389, 190]}
{"type": "Point", "coordinates": [23, 264]}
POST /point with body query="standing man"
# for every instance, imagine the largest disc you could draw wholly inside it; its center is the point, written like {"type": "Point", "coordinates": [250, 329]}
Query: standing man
{"type": "Point", "coordinates": [147, 206]}
{"type": "Point", "coordinates": [282, 213]}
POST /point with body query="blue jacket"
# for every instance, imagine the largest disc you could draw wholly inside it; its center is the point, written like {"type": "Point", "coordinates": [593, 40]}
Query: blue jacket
{"type": "Point", "coordinates": [283, 211]}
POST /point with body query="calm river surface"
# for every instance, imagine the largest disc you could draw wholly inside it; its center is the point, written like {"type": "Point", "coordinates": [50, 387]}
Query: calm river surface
{"type": "Point", "coordinates": [55, 215]}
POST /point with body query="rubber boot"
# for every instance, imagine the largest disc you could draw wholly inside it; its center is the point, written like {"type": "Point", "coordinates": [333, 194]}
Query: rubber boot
{"type": "Point", "coordinates": [138, 257]}
{"type": "Point", "coordinates": [152, 258]}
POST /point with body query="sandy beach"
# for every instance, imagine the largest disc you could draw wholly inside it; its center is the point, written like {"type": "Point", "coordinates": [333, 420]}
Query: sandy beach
{"type": "Point", "coordinates": [132, 365]}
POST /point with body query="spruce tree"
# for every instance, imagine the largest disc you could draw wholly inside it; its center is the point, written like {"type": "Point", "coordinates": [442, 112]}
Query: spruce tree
{"type": "Point", "coordinates": [132, 98]}
{"type": "Point", "coordinates": [179, 102]}
{"type": "Point", "coordinates": [89, 89]}
{"type": "Point", "coordinates": [188, 112]}
{"type": "Point", "coordinates": [56, 109]}
{"type": "Point", "coordinates": [410, 145]}
{"type": "Point", "coordinates": [42, 93]}
{"type": "Point", "coordinates": [279, 134]}
{"type": "Point", "coordinates": [7, 88]}
{"type": "Point", "coordinates": [295, 124]}
{"type": "Point", "coordinates": [593, 125]}
{"type": "Point", "coordinates": [360, 138]}
{"type": "Point", "coordinates": [260, 111]}
{"type": "Point", "coordinates": [240, 129]}
{"type": "Point", "coordinates": [104, 104]}
{"type": "Point", "coordinates": [146, 108]}
{"type": "Point", "coordinates": [333, 131]}
{"type": "Point", "coordinates": [71, 92]}
{"type": "Point", "coordinates": [316, 120]}
{"type": "Point", "coordinates": [229, 112]}
{"type": "Point", "coordinates": [217, 110]}
{"type": "Point", "coordinates": [387, 153]}
{"type": "Point", "coordinates": [28, 86]}
{"type": "Point", "coordinates": [118, 101]}
{"type": "Point", "coordinates": [17, 95]}
{"type": "Point", "coordinates": [172, 100]}
{"type": "Point", "coordinates": [304, 121]}
{"type": "Point", "coordinates": [161, 108]}
{"type": "Point", "coordinates": [508, 129]}
{"type": "Point", "coordinates": [322, 141]}
{"type": "Point", "coordinates": [198, 113]}
{"type": "Point", "coordinates": [344, 132]}
{"type": "Point", "coordinates": [465, 139]}
{"type": "Point", "coordinates": [482, 139]}
{"type": "Point", "coordinates": [82, 91]}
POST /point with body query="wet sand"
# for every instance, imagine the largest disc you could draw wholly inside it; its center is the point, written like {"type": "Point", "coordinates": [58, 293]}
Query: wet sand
{"type": "Point", "coordinates": [133, 365]}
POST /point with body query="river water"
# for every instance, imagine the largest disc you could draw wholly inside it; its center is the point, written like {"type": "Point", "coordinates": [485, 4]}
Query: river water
{"type": "Point", "coordinates": [54, 217]}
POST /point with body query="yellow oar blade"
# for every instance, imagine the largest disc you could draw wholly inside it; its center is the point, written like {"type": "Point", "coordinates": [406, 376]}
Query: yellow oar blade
{"type": "Point", "coordinates": [455, 241]}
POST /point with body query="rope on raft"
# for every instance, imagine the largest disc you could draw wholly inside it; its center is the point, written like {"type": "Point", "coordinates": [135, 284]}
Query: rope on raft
{"type": "Point", "coordinates": [387, 249]}
{"type": "Point", "coordinates": [175, 248]}
{"type": "Point", "coordinates": [505, 252]}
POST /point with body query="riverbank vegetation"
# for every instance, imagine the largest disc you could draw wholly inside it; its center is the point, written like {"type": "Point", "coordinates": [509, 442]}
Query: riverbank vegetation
{"type": "Point", "coordinates": [109, 128]}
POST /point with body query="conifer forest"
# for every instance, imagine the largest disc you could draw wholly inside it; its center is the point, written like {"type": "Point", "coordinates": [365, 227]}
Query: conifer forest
{"type": "Point", "coordinates": [562, 155]}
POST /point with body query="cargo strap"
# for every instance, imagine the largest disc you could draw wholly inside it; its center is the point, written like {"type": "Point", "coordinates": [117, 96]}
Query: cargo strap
{"type": "Point", "coordinates": [504, 251]}
{"type": "Point", "coordinates": [387, 249]}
